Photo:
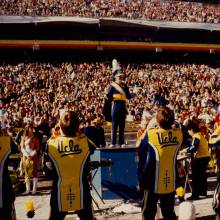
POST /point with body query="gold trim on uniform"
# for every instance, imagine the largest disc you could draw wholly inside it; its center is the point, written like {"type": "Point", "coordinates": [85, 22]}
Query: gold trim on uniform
{"type": "Point", "coordinates": [203, 150]}
{"type": "Point", "coordinates": [119, 97]}
{"type": "Point", "coordinates": [215, 137]}
{"type": "Point", "coordinates": [5, 149]}
{"type": "Point", "coordinates": [69, 155]}
{"type": "Point", "coordinates": [165, 144]}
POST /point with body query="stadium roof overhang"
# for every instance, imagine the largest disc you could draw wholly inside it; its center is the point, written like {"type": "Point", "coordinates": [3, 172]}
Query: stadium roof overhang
{"type": "Point", "coordinates": [120, 22]}
{"type": "Point", "coordinates": [115, 22]}
{"type": "Point", "coordinates": [98, 33]}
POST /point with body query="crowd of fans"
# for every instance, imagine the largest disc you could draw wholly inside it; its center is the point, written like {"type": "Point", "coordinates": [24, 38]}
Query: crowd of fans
{"type": "Point", "coordinates": [39, 91]}
{"type": "Point", "coordinates": [140, 9]}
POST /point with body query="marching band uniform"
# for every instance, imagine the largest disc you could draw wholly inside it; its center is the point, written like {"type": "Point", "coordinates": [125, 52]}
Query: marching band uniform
{"type": "Point", "coordinates": [115, 108]}
{"type": "Point", "coordinates": [70, 190]}
{"type": "Point", "coordinates": [199, 147]}
{"type": "Point", "coordinates": [215, 137]}
{"type": "Point", "coordinates": [7, 198]}
{"type": "Point", "coordinates": [159, 149]}
{"type": "Point", "coordinates": [214, 140]}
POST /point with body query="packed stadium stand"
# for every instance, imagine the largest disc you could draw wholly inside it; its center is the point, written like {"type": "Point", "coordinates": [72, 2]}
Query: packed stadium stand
{"type": "Point", "coordinates": [39, 89]}
{"type": "Point", "coordinates": [140, 9]}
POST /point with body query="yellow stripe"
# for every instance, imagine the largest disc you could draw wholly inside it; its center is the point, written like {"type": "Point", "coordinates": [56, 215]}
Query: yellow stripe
{"type": "Point", "coordinates": [119, 97]}
{"type": "Point", "coordinates": [106, 45]}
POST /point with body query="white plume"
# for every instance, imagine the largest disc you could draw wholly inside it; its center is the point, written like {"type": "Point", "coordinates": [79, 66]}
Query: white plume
{"type": "Point", "coordinates": [115, 65]}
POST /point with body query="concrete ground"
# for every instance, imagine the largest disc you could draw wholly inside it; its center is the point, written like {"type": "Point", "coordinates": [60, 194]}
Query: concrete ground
{"type": "Point", "coordinates": [112, 209]}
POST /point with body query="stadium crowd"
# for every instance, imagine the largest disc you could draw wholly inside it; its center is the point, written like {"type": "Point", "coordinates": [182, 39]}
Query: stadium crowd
{"type": "Point", "coordinates": [140, 9]}
{"type": "Point", "coordinates": [38, 91]}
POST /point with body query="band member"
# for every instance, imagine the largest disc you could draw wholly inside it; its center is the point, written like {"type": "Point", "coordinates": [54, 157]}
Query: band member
{"type": "Point", "coordinates": [214, 142]}
{"type": "Point", "coordinates": [30, 146]}
{"type": "Point", "coordinates": [117, 93]}
{"type": "Point", "coordinates": [7, 197]}
{"type": "Point", "coordinates": [159, 148]}
{"type": "Point", "coordinates": [200, 152]}
{"type": "Point", "coordinates": [69, 153]}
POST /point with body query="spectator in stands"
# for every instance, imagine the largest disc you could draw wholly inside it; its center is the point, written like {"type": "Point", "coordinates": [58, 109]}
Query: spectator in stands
{"type": "Point", "coordinates": [27, 101]}
{"type": "Point", "coordinates": [159, 98]}
{"type": "Point", "coordinates": [149, 10]}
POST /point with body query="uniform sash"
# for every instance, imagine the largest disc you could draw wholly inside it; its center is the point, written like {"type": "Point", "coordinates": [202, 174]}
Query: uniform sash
{"type": "Point", "coordinates": [5, 149]}
{"type": "Point", "coordinates": [69, 155]}
{"type": "Point", "coordinates": [118, 88]}
{"type": "Point", "coordinates": [107, 109]}
{"type": "Point", "coordinates": [121, 96]}
{"type": "Point", "coordinates": [165, 144]}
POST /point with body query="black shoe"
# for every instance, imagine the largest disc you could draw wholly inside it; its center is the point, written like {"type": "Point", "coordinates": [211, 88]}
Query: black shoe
{"type": "Point", "coordinates": [193, 198]}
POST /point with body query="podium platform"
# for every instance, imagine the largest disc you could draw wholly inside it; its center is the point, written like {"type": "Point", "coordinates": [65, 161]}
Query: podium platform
{"type": "Point", "coordinates": [120, 179]}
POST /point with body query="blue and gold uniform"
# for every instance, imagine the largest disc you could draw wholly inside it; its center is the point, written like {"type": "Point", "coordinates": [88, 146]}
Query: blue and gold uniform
{"type": "Point", "coordinates": [70, 191]}
{"type": "Point", "coordinates": [159, 148]}
{"type": "Point", "coordinates": [7, 197]}
{"type": "Point", "coordinates": [214, 141]}
{"type": "Point", "coordinates": [199, 148]}
{"type": "Point", "coordinates": [215, 138]}
{"type": "Point", "coordinates": [116, 97]}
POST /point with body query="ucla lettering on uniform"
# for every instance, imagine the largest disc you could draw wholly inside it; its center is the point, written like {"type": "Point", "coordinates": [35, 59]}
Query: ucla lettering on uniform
{"type": "Point", "coordinates": [68, 150]}
{"type": "Point", "coordinates": [167, 140]}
